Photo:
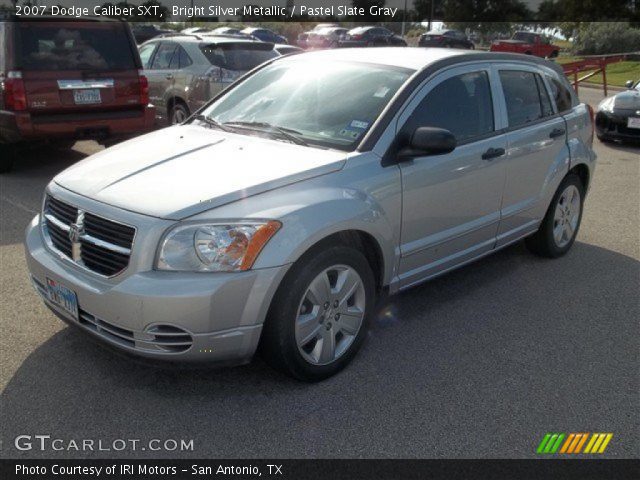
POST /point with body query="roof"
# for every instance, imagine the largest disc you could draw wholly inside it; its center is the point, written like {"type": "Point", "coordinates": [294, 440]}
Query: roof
{"type": "Point", "coordinates": [417, 58]}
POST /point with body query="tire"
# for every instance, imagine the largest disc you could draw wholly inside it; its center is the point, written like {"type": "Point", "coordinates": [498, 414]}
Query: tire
{"type": "Point", "coordinates": [554, 54]}
{"type": "Point", "coordinates": [561, 223]}
{"type": "Point", "coordinates": [7, 158]}
{"type": "Point", "coordinates": [178, 113]}
{"type": "Point", "coordinates": [300, 310]}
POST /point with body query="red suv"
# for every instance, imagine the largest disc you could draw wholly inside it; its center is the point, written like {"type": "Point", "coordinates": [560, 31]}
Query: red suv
{"type": "Point", "coordinates": [66, 80]}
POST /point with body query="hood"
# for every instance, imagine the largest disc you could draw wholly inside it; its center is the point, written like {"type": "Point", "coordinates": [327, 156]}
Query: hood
{"type": "Point", "coordinates": [629, 100]}
{"type": "Point", "coordinates": [184, 170]}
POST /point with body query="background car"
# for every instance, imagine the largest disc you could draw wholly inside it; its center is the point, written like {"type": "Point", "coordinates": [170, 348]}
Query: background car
{"type": "Point", "coordinates": [528, 43]}
{"type": "Point", "coordinates": [192, 30]}
{"type": "Point", "coordinates": [371, 37]}
{"type": "Point", "coordinates": [63, 80]}
{"type": "Point", "coordinates": [185, 71]}
{"type": "Point", "coordinates": [446, 39]}
{"type": "Point", "coordinates": [142, 33]}
{"type": "Point", "coordinates": [328, 37]}
{"type": "Point", "coordinates": [618, 117]}
{"type": "Point", "coordinates": [264, 35]}
{"type": "Point", "coordinates": [284, 49]}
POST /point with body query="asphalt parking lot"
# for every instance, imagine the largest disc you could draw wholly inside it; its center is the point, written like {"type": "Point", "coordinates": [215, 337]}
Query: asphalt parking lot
{"type": "Point", "coordinates": [479, 363]}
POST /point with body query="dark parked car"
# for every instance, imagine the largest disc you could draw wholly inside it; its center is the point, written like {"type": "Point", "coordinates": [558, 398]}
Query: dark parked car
{"type": "Point", "coordinates": [372, 37]}
{"type": "Point", "coordinates": [63, 80]}
{"type": "Point", "coordinates": [142, 33]}
{"type": "Point", "coordinates": [264, 35]}
{"type": "Point", "coordinates": [446, 39]}
{"type": "Point", "coordinates": [328, 37]}
{"type": "Point", "coordinates": [618, 117]}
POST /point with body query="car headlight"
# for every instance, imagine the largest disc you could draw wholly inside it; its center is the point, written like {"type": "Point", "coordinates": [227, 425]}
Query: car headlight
{"type": "Point", "coordinates": [607, 105]}
{"type": "Point", "coordinates": [214, 247]}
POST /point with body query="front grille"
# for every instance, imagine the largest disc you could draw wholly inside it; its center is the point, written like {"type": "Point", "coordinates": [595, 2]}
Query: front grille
{"type": "Point", "coordinates": [100, 245]}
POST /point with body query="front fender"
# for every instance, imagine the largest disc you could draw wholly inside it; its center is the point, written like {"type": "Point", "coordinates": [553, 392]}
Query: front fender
{"type": "Point", "coordinates": [363, 196]}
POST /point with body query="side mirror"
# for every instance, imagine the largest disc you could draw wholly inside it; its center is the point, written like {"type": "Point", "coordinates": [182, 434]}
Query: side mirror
{"type": "Point", "coordinates": [629, 84]}
{"type": "Point", "coordinates": [429, 141]}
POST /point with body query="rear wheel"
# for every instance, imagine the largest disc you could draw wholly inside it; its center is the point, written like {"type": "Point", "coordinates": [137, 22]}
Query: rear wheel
{"type": "Point", "coordinates": [179, 113]}
{"type": "Point", "coordinates": [560, 225]}
{"type": "Point", "coordinates": [318, 319]}
{"type": "Point", "coordinates": [7, 158]}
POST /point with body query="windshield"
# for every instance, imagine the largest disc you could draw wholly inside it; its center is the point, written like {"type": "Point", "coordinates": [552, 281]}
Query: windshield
{"type": "Point", "coordinates": [330, 104]}
{"type": "Point", "coordinates": [241, 56]}
{"type": "Point", "coordinates": [75, 46]}
{"type": "Point", "coordinates": [525, 37]}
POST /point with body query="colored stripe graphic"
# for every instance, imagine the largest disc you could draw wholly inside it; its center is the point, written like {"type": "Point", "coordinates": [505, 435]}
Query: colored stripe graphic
{"type": "Point", "coordinates": [598, 442]}
{"type": "Point", "coordinates": [550, 443]}
{"type": "Point", "coordinates": [572, 443]}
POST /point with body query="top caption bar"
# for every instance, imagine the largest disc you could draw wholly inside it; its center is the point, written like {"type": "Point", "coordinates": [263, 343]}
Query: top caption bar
{"type": "Point", "coordinates": [323, 10]}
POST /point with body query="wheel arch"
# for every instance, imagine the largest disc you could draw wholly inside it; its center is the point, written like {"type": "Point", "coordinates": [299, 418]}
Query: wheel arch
{"type": "Point", "coordinates": [582, 171]}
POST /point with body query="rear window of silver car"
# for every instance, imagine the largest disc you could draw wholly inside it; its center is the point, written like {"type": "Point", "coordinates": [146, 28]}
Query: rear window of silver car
{"type": "Point", "coordinates": [75, 46]}
{"type": "Point", "coordinates": [330, 104]}
{"type": "Point", "coordinates": [240, 56]}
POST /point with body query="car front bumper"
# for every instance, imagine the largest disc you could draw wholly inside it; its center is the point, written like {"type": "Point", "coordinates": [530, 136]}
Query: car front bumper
{"type": "Point", "coordinates": [214, 317]}
{"type": "Point", "coordinates": [613, 125]}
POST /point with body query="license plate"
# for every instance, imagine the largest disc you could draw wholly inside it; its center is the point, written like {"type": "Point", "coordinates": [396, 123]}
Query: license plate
{"type": "Point", "coordinates": [87, 96]}
{"type": "Point", "coordinates": [63, 297]}
{"type": "Point", "coordinates": [633, 122]}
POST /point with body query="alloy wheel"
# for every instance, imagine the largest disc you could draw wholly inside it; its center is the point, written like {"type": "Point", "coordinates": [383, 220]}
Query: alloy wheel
{"type": "Point", "coordinates": [330, 314]}
{"type": "Point", "coordinates": [566, 216]}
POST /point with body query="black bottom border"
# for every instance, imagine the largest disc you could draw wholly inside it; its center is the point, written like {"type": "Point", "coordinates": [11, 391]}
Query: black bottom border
{"type": "Point", "coordinates": [495, 469]}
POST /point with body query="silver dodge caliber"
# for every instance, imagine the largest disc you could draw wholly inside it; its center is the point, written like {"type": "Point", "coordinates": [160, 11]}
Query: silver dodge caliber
{"type": "Point", "coordinates": [274, 217]}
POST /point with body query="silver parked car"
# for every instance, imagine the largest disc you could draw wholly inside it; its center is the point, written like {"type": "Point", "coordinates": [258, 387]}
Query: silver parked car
{"type": "Point", "coordinates": [277, 216]}
{"type": "Point", "coordinates": [186, 71]}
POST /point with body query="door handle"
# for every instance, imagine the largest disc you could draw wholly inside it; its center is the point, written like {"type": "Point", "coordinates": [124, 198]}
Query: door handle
{"type": "Point", "coordinates": [557, 132]}
{"type": "Point", "coordinates": [493, 153]}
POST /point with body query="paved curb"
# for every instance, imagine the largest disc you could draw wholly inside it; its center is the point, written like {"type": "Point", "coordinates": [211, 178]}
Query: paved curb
{"type": "Point", "coordinates": [596, 86]}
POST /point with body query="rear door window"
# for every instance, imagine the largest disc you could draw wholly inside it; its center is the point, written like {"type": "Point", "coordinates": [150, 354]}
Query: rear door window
{"type": "Point", "coordinates": [522, 96]}
{"type": "Point", "coordinates": [240, 56]}
{"type": "Point", "coordinates": [460, 104]}
{"type": "Point", "coordinates": [75, 46]}
{"type": "Point", "coordinates": [180, 59]}
{"type": "Point", "coordinates": [162, 58]}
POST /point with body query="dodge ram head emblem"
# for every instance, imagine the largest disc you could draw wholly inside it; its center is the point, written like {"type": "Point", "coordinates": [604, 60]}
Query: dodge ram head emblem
{"type": "Point", "coordinates": [76, 231]}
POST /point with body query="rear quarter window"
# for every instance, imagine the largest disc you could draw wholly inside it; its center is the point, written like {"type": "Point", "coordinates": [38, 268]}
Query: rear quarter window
{"type": "Point", "coordinates": [75, 46]}
{"type": "Point", "coordinates": [238, 56]}
{"type": "Point", "coordinates": [561, 94]}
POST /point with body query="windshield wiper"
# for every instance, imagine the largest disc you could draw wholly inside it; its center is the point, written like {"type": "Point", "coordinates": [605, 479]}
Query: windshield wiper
{"type": "Point", "coordinates": [283, 132]}
{"type": "Point", "coordinates": [211, 122]}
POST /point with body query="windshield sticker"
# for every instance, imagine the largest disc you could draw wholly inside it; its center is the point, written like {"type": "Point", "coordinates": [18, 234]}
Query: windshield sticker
{"type": "Point", "coordinates": [350, 133]}
{"type": "Point", "coordinates": [359, 124]}
{"type": "Point", "coordinates": [381, 92]}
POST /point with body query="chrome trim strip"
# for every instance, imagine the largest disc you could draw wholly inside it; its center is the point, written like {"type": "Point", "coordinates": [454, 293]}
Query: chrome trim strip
{"type": "Point", "coordinates": [84, 84]}
{"type": "Point", "coordinates": [101, 243]}
{"type": "Point", "coordinates": [88, 238]}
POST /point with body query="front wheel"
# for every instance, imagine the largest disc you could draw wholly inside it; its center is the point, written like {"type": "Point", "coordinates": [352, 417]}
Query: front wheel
{"type": "Point", "coordinates": [179, 113]}
{"type": "Point", "coordinates": [560, 225]}
{"type": "Point", "coordinates": [318, 319]}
